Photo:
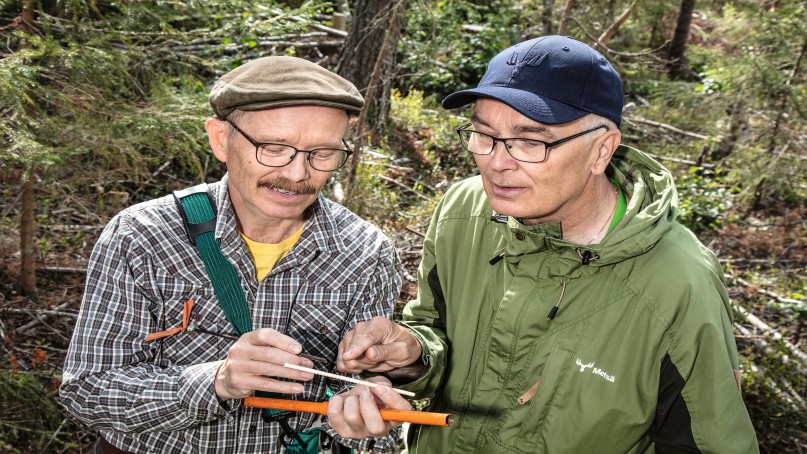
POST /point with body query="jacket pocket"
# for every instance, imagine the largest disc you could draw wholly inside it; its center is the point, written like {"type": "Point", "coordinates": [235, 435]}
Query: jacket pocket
{"type": "Point", "coordinates": [523, 424]}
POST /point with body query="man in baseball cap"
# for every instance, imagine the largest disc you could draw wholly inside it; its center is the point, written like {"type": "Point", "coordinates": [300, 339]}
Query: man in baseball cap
{"type": "Point", "coordinates": [561, 307]}
{"type": "Point", "coordinates": [276, 276]}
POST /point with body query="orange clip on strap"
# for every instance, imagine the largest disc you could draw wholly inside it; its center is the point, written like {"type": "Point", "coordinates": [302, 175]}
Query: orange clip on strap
{"type": "Point", "coordinates": [186, 318]}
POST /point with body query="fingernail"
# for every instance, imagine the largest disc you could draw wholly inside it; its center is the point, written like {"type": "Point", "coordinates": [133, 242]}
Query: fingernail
{"type": "Point", "coordinates": [295, 348]}
{"type": "Point", "coordinates": [306, 375]}
{"type": "Point", "coordinates": [299, 389]}
{"type": "Point", "coordinates": [365, 395]}
{"type": "Point", "coordinates": [382, 390]}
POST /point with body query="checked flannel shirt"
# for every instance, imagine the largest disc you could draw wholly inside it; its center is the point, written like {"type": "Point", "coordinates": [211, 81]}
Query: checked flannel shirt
{"type": "Point", "coordinates": [159, 396]}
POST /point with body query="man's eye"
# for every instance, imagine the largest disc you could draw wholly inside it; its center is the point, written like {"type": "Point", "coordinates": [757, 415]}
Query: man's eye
{"type": "Point", "coordinates": [325, 154]}
{"type": "Point", "coordinates": [524, 143]}
{"type": "Point", "coordinates": [275, 149]}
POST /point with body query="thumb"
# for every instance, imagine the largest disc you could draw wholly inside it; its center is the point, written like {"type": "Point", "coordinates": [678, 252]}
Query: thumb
{"type": "Point", "coordinates": [380, 352]}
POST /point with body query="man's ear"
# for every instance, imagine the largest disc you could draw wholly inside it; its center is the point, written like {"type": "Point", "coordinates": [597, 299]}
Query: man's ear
{"type": "Point", "coordinates": [607, 145]}
{"type": "Point", "coordinates": [217, 133]}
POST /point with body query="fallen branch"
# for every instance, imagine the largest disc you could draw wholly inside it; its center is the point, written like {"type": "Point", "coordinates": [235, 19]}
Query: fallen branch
{"type": "Point", "coordinates": [63, 269]}
{"type": "Point", "coordinates": [37, 320]}
{"type": "Point", "coordinates": [770, 333]}
{"type": "Point", "coordinates": [773, 295]}
{"type": "Point", "coordinates": [672, 128]}
{"type": "Point", "coordinates": [13, 310]}
{"type": "Point", "coordinates": [680, 161]}
{"type": "Point", "coordinates": [791, 396]}
{"type": "Point", "coordinates": [320, 27]}
{"type": "Point", "coordinates": [410, 229]}
{"type": "Point", "coordinates": [398, 183]}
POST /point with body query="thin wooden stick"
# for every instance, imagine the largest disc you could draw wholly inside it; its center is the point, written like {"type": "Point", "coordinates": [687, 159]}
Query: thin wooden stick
{"type": "Point", "coordinates": [343, 378]}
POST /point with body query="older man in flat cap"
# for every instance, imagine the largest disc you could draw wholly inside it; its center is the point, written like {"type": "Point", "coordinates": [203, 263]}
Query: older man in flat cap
{"type": "Point", "coordinates": [197, 300]}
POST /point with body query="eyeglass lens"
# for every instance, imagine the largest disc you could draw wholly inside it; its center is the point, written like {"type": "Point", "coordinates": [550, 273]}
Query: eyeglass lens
{"type": "Point", "coordinates": [520, 149]}
{"type": "Point", "coordinates": [278, 155]}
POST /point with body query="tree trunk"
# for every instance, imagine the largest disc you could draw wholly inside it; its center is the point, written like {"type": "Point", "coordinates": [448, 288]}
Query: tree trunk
{"type": "Point", "coordinates": [678, 66]}
{"type": "Point", "coordinates": [737, 124]}
{"type": "Point", "coordinates": [608, 33]}
{"type": "Point", "coordinates": [28, 15]}
{"type": "Point", "coordinates": [27, 282]}
{"type": "Point", "coordinates": [564, 18]}
{"type": "Point", "coordinates": [546, 17]}
{"type": "Point", "coordinates": [387, 47]}
{"type": "Point", "coordinates": [372, 23]}
{"type": "Point", "coordinates": [786, 96]}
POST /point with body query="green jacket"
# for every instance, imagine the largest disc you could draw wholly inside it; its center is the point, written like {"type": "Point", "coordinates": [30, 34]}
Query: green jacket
{"type": "Point", "coordinates": [640, 356]}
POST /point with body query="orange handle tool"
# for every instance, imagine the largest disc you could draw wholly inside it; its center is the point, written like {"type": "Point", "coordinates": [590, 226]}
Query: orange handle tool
{"type": "Point", "coordinates": [387, 414]}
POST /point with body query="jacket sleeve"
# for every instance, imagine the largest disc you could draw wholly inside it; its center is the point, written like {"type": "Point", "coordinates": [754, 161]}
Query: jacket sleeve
{"type": "Point", "coordinates": [700, 407]}
{"type": "Point", "coordinates": [425, 316]}
{"type": "Point", "coordinates": [111, 379]}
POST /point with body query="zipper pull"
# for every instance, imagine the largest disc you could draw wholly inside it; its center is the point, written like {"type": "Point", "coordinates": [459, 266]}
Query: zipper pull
{"type": "Point", "coordinates": [556, 307]}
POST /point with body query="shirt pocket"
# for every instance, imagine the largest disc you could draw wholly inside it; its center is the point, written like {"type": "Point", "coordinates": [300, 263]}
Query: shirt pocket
{"type": "Point", "coordinates": [320, 318]}
{"type": "Point", "coordinates": [187, 348]}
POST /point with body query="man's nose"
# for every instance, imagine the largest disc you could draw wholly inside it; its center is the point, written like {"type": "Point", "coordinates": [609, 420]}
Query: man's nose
{"type": "Point", "coordinates": [298, 169]}
{"type": "Point", "coordinates": [500, 157]}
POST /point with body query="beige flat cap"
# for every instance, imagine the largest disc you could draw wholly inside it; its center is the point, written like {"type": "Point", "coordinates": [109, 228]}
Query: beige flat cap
{"type": "Point", "coordinates": [279, 81]}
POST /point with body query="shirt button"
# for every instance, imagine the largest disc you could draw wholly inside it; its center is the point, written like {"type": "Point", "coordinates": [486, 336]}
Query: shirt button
{"type": "Point", "coordinates": [520, 236]}
{"type": "Point", "coordinates": [253, 428]}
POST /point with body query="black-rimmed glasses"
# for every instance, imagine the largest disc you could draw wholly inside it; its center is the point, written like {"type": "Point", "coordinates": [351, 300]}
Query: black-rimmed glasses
{"type": "Point", "coordinates": [521, 149]}
{"type": "Point", "coordinates": [278, 154]}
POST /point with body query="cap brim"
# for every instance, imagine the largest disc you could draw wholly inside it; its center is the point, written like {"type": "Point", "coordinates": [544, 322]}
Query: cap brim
{"type": "Point", "coordinates": [537, 108]}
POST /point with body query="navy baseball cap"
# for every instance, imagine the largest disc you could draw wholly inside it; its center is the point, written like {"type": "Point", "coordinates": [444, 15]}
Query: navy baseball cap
{"type": "Point", "coordinates": [551, 80]}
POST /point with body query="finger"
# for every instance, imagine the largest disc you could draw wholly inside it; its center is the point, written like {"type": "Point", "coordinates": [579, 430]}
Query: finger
{"type": "Point", "coordinates": [267, 361]}
{"type": "Point", "coordinates": [352, 415]}
{"type": "Point", "coordinates": [335, 418]}
{"type": "Point", "coordinates": [232, 382]}
{"type": "Point", "coordinates": [365, 335]}
{"type": "Point", "coordinates": [273, 338]}
{"type": "Point", "coordinates": [340, 362]}
{"type": "Point", "coordinates": [372, 418]}
{"type": "Point", "coordinates": [390, 399]}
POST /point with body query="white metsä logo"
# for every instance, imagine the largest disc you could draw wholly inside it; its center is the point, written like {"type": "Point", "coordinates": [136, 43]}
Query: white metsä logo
{"type": "Point", "coordinates": [595, 370]}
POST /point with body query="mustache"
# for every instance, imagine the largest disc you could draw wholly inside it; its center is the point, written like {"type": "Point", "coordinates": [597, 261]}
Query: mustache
{"type": "Point", "coordinates": [285, 185]}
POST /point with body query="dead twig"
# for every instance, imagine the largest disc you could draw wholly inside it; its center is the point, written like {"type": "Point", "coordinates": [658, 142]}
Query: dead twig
{"type": "Point", "coordinates": [672, 128]}
{"type": "Point", "coordinates": [37, 320]}
{"type": "Point", "coordinates": [398, 183]}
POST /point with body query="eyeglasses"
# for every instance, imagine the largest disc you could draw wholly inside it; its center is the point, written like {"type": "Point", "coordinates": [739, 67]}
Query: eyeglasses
{"type": "Point", "coordinates": [278, 155]}
{"type": "Point", "coordinates": [521, 149]}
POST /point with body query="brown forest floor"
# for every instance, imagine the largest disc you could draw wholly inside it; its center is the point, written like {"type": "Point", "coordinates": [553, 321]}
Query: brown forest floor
{"type": "Point", "coordinates": [35, 332]}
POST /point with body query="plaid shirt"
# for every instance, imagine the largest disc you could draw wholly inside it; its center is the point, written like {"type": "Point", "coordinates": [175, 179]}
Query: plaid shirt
{"type": "Point", "coordinates": [159, 396]}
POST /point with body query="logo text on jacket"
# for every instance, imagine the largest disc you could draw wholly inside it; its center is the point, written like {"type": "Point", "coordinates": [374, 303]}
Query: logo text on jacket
{"type": "Point", "coordinates": [595, 370]}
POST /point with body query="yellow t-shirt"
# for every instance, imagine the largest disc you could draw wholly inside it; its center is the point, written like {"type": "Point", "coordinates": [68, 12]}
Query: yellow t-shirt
{"type": "Point", "coordinates": [266, 255]}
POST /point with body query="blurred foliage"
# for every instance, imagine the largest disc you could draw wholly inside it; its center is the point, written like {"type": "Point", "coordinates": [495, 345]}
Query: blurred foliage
{"type": "Point", "coordinates": [30, 419]}
{"type": "Point", "coordinates": [704, 199]}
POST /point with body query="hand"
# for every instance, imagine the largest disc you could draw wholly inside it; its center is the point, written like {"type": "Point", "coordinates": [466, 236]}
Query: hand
{"type": "Point", "coordinates": [378, 345]}
{"type": "Point", "coordinates": [254, 359]}
{"type": "Point", "coordinates": [354, 414]}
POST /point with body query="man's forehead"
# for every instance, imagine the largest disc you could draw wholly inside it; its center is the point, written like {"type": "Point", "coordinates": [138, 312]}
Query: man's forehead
{"type": "Point", "coordinates": [490, 111]}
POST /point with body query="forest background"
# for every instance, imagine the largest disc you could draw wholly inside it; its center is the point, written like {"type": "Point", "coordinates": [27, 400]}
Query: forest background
{"type": "Point", "coordinates": [102, 105]}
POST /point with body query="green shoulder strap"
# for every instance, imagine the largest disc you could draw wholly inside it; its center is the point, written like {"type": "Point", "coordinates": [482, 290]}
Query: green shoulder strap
{"type": "Point", "coordinates": [199, 216]}
{"type": "Point", "coordinates": [198, 212]}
